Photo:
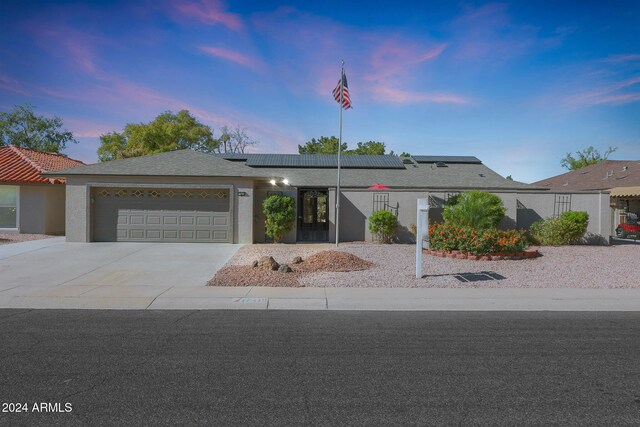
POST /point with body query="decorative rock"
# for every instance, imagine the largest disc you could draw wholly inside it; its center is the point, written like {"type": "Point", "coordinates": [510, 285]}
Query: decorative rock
{"type": "Point", "coordinates": [268, 263]}
{"type": "Point", "coordinates": [297, 260]}
{"type": "Point", "coordinates": [284, 268]}
{"type": "Point", "coordinates": [254, 264]}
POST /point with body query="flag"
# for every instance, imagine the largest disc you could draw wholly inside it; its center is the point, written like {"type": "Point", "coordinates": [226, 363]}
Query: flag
{"type": "Point", "coordinates": [346, 101]}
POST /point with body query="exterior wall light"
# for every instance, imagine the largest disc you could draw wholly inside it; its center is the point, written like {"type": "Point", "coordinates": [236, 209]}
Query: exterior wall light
{"type": "Point", "coordinates": [285, 181]}
{"type": "Point", "coordinates": [273, 182]}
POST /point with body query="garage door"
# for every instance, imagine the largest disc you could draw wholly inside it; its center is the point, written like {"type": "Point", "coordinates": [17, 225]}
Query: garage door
{"type": "Point", "coordinates": [161, 215]}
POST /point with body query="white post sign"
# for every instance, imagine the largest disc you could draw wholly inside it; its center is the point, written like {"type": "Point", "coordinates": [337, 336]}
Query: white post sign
{"type": "Point", "coordinates": [422, 232]}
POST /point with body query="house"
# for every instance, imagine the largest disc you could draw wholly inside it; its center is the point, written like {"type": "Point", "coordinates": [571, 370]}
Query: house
{"type": "Point", "coordinates": [619, 177]}
{"type": "Point", "coordinates": [29, 202]}
{"type": "Point", "coordinates": [188, 196]}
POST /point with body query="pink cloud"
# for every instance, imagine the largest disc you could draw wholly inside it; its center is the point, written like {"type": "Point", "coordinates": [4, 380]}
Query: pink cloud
{"type": "Point", "coordinates": [624, 58]}
{"type": "Point", "coordinates": [210, 12]}
{"type": "Point", "coordinates": [488, 33]}
{"type": "Point", "coordinates": [59, 39]}
{"type": "Point", "coordinates": [86, 128]}
{"type": "Point", "coordinates": [607, 94]}
{"type": "Point", "coordinates": [230, 55]}
{"type": "Point", "coordinates": [382, 67]}
{"type": "Point", "coordinates": [12, 85]}
{"type": "Point", "coordinates": [398, 96]}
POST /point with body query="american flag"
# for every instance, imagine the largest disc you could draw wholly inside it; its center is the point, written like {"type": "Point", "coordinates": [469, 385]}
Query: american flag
{"type": "Point", "coordinates": [346, 101]}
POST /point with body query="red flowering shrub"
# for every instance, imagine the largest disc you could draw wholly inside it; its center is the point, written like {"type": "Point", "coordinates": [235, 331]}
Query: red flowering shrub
{"type": "Point", "coordinates": [445, 237]}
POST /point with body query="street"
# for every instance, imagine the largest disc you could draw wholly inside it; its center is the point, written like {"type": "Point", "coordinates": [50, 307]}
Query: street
{"type": "Point", "coordinates": [319, 368]}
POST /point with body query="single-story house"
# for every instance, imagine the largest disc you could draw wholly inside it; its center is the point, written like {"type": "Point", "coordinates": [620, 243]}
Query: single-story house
{"type": "Point", "coordinates": [29, 202]}
{"type": "Point", "coordinates": [619, 177]}
{"type": "Point", "coordinates": [188, 196]}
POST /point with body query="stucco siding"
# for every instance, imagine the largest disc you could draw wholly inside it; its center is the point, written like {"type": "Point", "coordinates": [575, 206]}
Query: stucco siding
{"type": "Point", "coordinates": [32, 209]}
{"type": "Point", "coordinates": [523, 208]}
{"type": "Point", "coordinates": [80, 206]}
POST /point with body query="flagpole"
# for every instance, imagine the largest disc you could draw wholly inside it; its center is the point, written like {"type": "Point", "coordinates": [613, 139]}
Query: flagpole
{"type": "Point", "coordinates": [339, 153]}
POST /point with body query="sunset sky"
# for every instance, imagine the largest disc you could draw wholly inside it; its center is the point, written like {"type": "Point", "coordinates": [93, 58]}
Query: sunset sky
{"type": "Point", "coordinates": [517, 85]}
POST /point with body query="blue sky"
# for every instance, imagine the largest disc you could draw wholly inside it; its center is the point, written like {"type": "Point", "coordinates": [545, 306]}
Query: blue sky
{"type": "Point", "coordinates": [516, 84]}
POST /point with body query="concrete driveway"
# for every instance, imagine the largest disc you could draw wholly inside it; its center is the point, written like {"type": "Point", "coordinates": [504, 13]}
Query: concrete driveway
{"type": "Point", "coordinates": [52, 268]}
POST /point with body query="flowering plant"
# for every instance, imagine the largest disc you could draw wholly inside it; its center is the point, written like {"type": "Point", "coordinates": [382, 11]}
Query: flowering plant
{"type": "Point", "coordinates": [446, 237]}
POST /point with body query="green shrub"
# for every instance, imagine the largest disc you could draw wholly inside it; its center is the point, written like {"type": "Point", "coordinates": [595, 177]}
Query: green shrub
{"type": "Point", "coordinates": [446, 237]}
{"type": "Point", "coordinates": [567, 229]}
{"type": "Point", "coordinates": [476, 209]}
{"type": "Point", "coordinates": [280, 216]}
{"type": "Point", "coordinates": [383, 224]}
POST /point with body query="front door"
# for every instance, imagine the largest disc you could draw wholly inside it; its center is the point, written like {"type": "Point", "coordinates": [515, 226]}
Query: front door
{"type": "Point", "coordinates": [313, 215]}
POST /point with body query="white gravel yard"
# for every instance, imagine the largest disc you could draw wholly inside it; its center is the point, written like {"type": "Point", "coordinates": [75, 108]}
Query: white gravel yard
{"type": "Point", "coordinates": [18, 237]}
{"type": "Point", "coordinates": [394, 266]}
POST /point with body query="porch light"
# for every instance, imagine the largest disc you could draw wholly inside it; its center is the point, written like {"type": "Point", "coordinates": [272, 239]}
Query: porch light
{"type": "Point", "coordinates": [285, 181]}
{"type": "Point", "coordinates": [273, 182]}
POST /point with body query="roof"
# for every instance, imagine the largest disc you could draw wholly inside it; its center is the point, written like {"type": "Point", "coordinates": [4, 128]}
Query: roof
{"type": "Point", "coordinates": [171, 163]}
{"type": "Point", "coordinates": [472, 175]}
{"type": "Point", "coordinates": [316, 161]}
{"type": "Point", "coordinates": [21, 165]}
{"type": "Point", "coordinates": [600, 176]}
{"type": "Point", "coordinates": [625, 191]}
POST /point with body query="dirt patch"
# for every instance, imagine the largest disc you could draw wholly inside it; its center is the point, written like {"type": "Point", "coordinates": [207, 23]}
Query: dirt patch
{"type": "Point", "coordinates": [333, 261]}
{"type": "Point", "coordinates": [325, 261]}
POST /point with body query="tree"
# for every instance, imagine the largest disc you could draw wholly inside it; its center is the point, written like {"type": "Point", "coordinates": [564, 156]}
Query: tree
{"type": "Point", "coordinates": [586, 157]}
{"type": "Point", "coordinates": [369, 147]}
{"type": "Point", "coordinates": [509, 178]}
{"type": "Point", "coordinates": [167, 132]}
{"type": "Point", "coordinates": [404, 154]}
{"type": "Point", "coordinates": [329, 145]}
{"type": "Point", "coordinates": [22, 128]}
{"type": "Point", "coordinates": [234, 140]}
{"type": "Point", "coordinates": [323, 145]}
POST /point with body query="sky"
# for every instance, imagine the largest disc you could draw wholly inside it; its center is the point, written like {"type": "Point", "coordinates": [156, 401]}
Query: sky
{"type": "Point", "coordinates": [516, 84]}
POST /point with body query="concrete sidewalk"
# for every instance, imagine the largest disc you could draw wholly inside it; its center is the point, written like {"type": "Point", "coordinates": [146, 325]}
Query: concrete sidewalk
{"type": "Point", "coordinates": [262, 298]}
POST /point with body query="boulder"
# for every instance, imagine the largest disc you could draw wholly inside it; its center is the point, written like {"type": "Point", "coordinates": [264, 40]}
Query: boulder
{"type": "Point", "coordinates": [268, 263]}
{"type": "Point", "coordinates": [296, 260]}
{"type": "Point", "coordinates": [284, 268]}
{"type": "Point", "coordinates": [254, 264]}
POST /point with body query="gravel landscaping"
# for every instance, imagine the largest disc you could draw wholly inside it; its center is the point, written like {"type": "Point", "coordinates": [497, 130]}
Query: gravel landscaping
{"type": "Point", "coordinates": [394, 266]}
{"type": "Point", "coordinates": [17, 238]}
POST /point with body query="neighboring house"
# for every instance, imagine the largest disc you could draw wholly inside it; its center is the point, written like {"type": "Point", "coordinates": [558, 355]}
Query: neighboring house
{"type": "Point", "coordinates": [29, 202]}
{"type": "Point", "coordinates": [620, 177]}
{"type": "Point", "coordinates": [187, 196]}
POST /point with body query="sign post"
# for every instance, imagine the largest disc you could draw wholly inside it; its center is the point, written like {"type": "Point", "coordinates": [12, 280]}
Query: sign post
{"type": "Point", "coordinates": [422, 232]}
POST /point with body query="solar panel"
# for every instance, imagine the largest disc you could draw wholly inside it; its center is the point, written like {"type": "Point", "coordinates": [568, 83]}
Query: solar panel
{"type": "Point", "coordinates": [447, 159]}
{"type": "Point", "coordinates": [348, 161]}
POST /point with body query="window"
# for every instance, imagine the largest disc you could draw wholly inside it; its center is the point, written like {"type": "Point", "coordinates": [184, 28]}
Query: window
{"type": "Point", "coordinates": [8, 206]}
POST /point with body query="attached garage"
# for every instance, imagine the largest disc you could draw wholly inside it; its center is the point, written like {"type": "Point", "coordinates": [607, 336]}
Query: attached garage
{"type": "Point", "coordinates": [161, 214]}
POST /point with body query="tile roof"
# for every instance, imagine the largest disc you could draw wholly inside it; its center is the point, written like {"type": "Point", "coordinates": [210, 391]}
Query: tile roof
{"type": "Point", "coordinates": [21, 165]}
{"type": "Point", "coordinates": [600, 176]}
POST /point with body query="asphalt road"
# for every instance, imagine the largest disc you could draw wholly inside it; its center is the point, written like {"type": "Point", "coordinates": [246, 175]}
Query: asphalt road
{"type": "Point", "coordinates": [320, 368]}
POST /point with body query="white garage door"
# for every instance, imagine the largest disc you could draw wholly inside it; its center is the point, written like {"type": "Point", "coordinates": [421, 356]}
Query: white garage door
{"type": "Point", "coordinates": [161, 215]}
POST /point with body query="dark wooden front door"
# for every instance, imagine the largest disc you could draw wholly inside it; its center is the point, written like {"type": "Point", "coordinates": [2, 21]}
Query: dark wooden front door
{"type": "Point", "coordinates": [313, 216]}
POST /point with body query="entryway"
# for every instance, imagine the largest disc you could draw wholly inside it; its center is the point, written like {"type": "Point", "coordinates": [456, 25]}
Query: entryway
{"type": "Point", "coordinates": [313, 215]}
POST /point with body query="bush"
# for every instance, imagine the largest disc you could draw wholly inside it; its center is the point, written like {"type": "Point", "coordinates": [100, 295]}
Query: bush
{"type": "Point", "coordinates": [446, 237]}
{"type": "Point", "coordinates": [476, 209]}
{"type": "Point", "coordinates": [280, 216]}
{"type": "Point", "coordinates": [383, 224]}
{"type": "Point", "coordinates": [567, 229]}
